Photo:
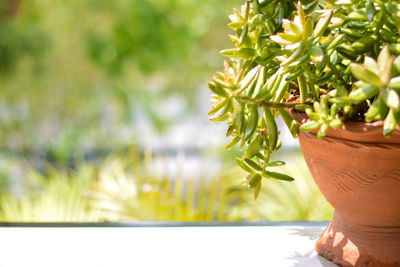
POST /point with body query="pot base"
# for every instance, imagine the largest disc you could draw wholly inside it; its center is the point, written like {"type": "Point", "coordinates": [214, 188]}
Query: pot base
{"type": "Point", "coordinates": [358, 245]}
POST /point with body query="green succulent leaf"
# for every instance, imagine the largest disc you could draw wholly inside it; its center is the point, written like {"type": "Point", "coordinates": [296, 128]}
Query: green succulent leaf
{"type": "Point", "coordinates": [365, 75]}
{"type": "Point", "coordinates": [233, 142]}
{"type": "Point", "coordinates": [390, 124]}
{"type": "Point", "coordinates": [291, 123]}
{"type": "Point", "coordinates": [271, 127]}
{"type": "Point", "coordinates": [275, 163]}
{"type": "Point", "coordinates": [310, 125]}
{"type": "Point", "coordinates": [257, 190]}
{"type": "Point", "coordinates": [290, 27]}
{"type": "Point", "coordinates": [217, 89]}
{"type": "Point", "coordinates": [239, 53]}
{"type": "Point", "coordinates": [363, 93]}
{"type": "Point", "coordinates": [377, 111]}
{"type": "Point", "coordinates": [254, 147]}
{"type": "Point", "coordinates": [252, 122]}
{"type": "Point", "coordinates": [394, 83]}
{"type": "Point", "coordinates": [253, 164]}
{"type": "Point", "coordinates": [322, 24]}
{"type": "Point", "coordinates": [254, 180]}
{"type": "Point", "coordinates": [316, 54]}
{"type": "Point", "coordinates": [279, 176]}
{"type": "Point", "coordinates": [393, 100]}
{"type": "Point", "coordinates": [242, 164]}
{"type": "Point", "coordinates": [371, 65]}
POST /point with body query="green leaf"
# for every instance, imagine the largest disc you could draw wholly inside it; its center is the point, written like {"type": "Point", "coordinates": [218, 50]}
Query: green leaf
{"type": "Point", "coordinates": [393, 100]}
{"type": "Point", "coordinates": [218, 106]}
{"type": "Point", "coordinates": [257, 190]}
{"type": "Point", "coordinates": [254, 180]}
{"type": "Point", "coordinates": [386, 72]}
{"type": "Point", "coordinates": [293, 126]}
{"type": "Point", "coordinates": [275, 163]}
{"type": "Point", "coordinates": [371, 65]}
{"type": "Point", "coordinates": [396, 64]}
{"type": "Point", "coordinates": [315, 116]}
{"type": "Point", "coordinates": [233, 142]}
{"type": "Point", "coordinates": [252, 122]}
{"type": "Point", "coordinates": [243, 35]}
{"type": "Point", "coordinates": [377, 111]}
{"type": "Point", "coordinates": [230, 130]}
{"type": "Point", "coordinates": [370, 10]}
{"type": "Point", "coordinates": [365, 75]}
{"type": "Point", "coordinates": [253, 164]}
{"type": "Point", "coordinates": [324, 105]}
{"type": "Point", "coordinates": [390, 124]}
{"type": "Point", "coordinates": [322, 24]}
{"type": "Point", "coordinates": [239, 53]}
{"type": "Point", "coordinates": [335, 42]}
{"type": "Point", "coordinates": [271, 127]}
{"type": "Point", "coordinates": [280, 40]}
{"type": "Point", "coordinates": [383, 58]}
{"type": "Point", "coordinates": [335, 123]}
{"type": "Point", "coordinates": [363, 44]}
{"type": "Point", "coordinates": [294, 56]}
{"type": "Point", "coordinates": [244, 165]}
{"type": "Point", "coordinates": [317, 107]}
{"type": "Point", "coordinates": [290, 27]}
{"type": "Point", "coordinates": [301, 80]}
{"type": "Point", "coordinates": [355, 15]}
{"type": "Point", "coordinates": [322, 130]}
{"type": "Point", "coordinates": [363, 93]}
{"type": "Point", "coordinates": [316, 54]}
{"type": "Point", "coordinates": [254, 147]}
{"type": "Point", "coordinates": [249, 78]}
{"type": "Point", "coordinates": [222, 114]}
{"type": "Point", "coordinates": [308, 29]}
{"type": "Point", "coordinates": [279, 176]}
{"type": "Point", "coordinates": [282, 89]}
{"type": "Point", "coordinates": [346, 51]}
{"type": "Point", "coordinates": [217, 89]}
{"type": "Point", "coordinates": [260, 81]}
{"type": "Point", "coordinates": [267, 87]}
{"type": "Point", "coordinates": [394, 83]}
{"type": "Point", "coordinates": [310, 125]}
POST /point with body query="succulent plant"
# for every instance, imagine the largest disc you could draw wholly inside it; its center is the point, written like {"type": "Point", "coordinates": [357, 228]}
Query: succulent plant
{"type": "Point", "coordinates": [333, 60]}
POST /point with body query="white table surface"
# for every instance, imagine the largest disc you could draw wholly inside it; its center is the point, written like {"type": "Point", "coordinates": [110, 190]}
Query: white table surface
{"type": "Point", "coordinates": [161, 246]}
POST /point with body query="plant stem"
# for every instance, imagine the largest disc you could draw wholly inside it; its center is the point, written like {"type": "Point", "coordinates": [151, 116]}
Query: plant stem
{"type": "Point", "coordinates": [274, 104]}
{"type": "Point", "coordinates": [303, 87]}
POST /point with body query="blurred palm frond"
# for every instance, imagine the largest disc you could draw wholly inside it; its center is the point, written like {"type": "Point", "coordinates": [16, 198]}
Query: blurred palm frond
{"type": "Point", "coordinates": [54, 197]}
{"type": "Point", "coordinates": [148, 192]}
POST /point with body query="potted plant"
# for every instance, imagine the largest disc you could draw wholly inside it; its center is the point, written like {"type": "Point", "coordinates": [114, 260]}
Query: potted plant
{"type": "Point", "coordinates": [331, 70]}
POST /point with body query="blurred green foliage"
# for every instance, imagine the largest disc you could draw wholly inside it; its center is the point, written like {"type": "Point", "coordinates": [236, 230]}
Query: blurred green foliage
{"type": "Point", "coordinates": [78, 72]}
{"type": "Point", "coordinates": [128, 187]}
{"type": "Point", "coordinates": [77, 76]}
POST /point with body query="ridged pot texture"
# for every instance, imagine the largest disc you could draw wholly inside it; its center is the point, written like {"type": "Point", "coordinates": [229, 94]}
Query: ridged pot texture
{"type": "Point", "coordinates": [358, 172]}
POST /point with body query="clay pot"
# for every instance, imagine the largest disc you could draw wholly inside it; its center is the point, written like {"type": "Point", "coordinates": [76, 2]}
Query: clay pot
{"type": "Point", "coordinates": [358, 172]}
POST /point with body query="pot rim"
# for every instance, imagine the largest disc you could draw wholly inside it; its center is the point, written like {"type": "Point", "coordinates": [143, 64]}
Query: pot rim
{"type": "Point", "coordinates": [364, 132]}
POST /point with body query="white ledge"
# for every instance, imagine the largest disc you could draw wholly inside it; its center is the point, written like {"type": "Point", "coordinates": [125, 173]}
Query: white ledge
{"type": "Point", "coordinates": [161, 246]}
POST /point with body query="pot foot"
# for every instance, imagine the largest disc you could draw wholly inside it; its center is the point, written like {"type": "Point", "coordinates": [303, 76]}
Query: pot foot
{"type": "Point", "coordinates": [357, 245]}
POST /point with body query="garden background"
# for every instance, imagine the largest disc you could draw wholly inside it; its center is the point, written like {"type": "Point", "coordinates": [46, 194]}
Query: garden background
{"type": "Point", "coordinates": [103, 117]}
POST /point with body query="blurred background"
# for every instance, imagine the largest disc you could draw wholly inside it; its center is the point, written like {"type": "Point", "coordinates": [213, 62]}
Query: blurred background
{"type": "Point", "coordinates": [103, 117]}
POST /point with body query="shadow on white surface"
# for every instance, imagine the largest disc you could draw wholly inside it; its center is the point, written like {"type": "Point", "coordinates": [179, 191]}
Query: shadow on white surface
{"type": "Point", "coordinates": [310, 259]}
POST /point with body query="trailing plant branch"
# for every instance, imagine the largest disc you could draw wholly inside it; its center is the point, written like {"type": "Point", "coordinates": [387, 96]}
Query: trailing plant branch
{"type": "Point", "coordinates": [263, 103]}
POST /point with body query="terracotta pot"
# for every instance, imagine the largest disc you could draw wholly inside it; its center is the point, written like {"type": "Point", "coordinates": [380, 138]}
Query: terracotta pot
{"type": "Point", "coordinates": [358, 172]}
